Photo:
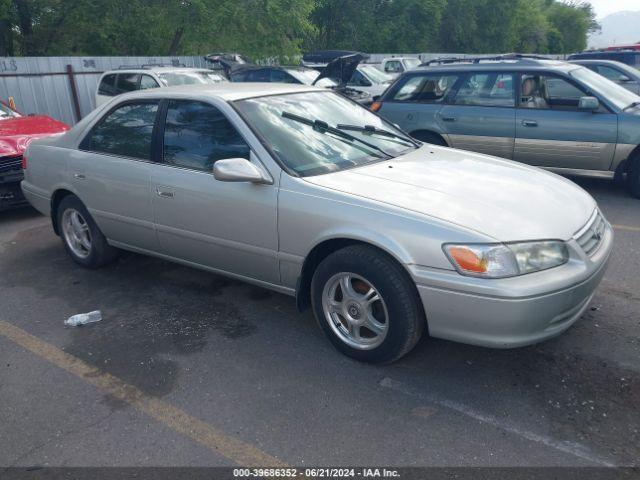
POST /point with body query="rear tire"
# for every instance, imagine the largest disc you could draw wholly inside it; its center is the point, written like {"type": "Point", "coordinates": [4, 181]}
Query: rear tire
{"type": "Point", "coordinates": [367, 305]}
{"type": "Point", "coordinates": [81, 237]}
{"type": "Point", "coordinates": [633, 175]}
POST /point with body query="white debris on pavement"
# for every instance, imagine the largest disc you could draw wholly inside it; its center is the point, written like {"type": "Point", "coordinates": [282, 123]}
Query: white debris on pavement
{"type": "Point", "coordinates": [83, 318]}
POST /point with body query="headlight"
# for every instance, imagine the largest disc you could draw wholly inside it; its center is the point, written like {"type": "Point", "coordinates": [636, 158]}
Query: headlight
{"type": "Point", "coordinates": [506, 260]}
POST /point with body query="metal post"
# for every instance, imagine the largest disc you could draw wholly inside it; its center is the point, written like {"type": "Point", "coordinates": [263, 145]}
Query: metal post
{"type": "Point", "coordinates": [74, 93]}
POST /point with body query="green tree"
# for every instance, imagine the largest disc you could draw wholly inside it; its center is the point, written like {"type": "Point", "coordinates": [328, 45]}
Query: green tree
{"type": "Point", "coordinates": [573, 22]}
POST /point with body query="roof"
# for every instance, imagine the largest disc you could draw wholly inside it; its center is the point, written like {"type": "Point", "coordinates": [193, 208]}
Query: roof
{"type": "Point", "coordinates": [227, 91]}
{"type": "Point", "coordinates": [244, 66]}
{"type": "Point", "coordinates": [157, 69]}
{"type": "Point", "coordinates": [493, 65]}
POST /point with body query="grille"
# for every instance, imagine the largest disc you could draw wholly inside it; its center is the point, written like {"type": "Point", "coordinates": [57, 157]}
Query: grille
{"type": "Point", "coordinates": [590, 237]}
{"type": "Point", "coordinates": [8, 164]}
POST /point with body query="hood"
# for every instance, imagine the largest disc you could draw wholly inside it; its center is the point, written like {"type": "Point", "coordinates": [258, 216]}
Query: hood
{"type": "Point", "coordinates": [501, 199]}
{"type": "Point", "coordinates": [341, 69]}
{"type": "Point", "coordinates": [16, 133]}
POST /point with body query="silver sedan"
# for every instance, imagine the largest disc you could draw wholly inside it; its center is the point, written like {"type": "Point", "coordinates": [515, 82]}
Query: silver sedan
{"type": "Point", "coordinates": [302, 191]}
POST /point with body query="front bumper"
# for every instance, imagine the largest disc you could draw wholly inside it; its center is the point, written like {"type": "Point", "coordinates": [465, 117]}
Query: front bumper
{"type": "Point", "coordinates": [512, 312]}
{"type": "Point", "coordinates": [10, 177]}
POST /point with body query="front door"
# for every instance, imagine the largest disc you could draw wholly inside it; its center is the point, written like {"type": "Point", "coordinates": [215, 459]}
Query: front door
{"type": "Point", "coordinates": [111, 173]}
{"type": "Point", "coordinates": [552, 132]}
{"type": "Point", "coordinates": [231, 227]}
{"type": "Point", "coordinates": [481, 116]}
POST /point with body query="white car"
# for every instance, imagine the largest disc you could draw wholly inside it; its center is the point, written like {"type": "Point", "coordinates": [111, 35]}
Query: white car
{"type": "Point", "coordinates": [116, 82]}
{"type": "Point", "coordinates": [370, 79]}
{"type": "Point", "coordinates": [394, 66]}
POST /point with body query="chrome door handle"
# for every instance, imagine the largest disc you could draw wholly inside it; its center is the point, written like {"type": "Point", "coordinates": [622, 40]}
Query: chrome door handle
{"type": "Point", "coordinates": [79, 176]}
{"type": "Point", "coordinates": [448, 119]}
{"type": "Point", "coordinates": [529, 123]}
{"type": "Point", "coordinates": [164, 193]}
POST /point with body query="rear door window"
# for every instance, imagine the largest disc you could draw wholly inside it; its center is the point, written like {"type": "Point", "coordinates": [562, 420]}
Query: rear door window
{"type": "Point", "coordinates": [486, 90]}
{"type": "Point", "coordinates": [428, 88]}
{"type": "Point", "coordinates": [126, 131]}
{"type": "Point", "coordinates": [108, 85]}
{"type": "Point", "coordinates": [393, 66]}
{"type": "Point", "coordinates": [261, 75]}
{"type": "Point", "coordinates": [281, 76]}
{"type": "Point", "coordinates": [127, 82]}
{"type": "Point", "coordinates": [197, 134]}
{"type": "Point", "coordinates": [147, 81]}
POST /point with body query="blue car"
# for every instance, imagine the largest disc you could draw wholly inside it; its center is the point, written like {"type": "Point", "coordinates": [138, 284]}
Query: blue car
{"type": "Point", "coordinates": [554, 115]}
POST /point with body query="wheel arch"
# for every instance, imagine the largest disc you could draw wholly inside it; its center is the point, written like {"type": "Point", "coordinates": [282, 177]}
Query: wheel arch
{"type": "Point", "coordinates": [56, 198]}
{"type": "Point", "coordinates": [424, 133]}
{"type": "Point", "coordinates": [326, 247]}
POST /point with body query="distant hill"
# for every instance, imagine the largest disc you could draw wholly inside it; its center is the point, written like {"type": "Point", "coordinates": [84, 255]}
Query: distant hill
{"type": "Point", "coordinates": [617, 28]}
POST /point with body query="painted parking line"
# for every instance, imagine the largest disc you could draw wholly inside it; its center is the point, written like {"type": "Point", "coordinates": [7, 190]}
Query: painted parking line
{"type": "Point", "coordinates": [178, 420]}
{"type": "Point", "coordinates": [626, 228]}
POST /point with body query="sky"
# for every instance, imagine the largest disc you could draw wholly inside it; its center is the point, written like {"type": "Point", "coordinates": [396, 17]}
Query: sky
{"type": "Point", "coordinates": [607, 7]}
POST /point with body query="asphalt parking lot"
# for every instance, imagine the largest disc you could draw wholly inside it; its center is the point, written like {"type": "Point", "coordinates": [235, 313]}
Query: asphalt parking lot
{"type": "Point", "coordinates": [192, 369]}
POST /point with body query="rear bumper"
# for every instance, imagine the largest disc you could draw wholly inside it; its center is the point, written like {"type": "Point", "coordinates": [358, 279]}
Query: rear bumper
{"type": "Point", "coordinates": [37, 198]}
{"type": "Point", "coordinates": [513, 312]}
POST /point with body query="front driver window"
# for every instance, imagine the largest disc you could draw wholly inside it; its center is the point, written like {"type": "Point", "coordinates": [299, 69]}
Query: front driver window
{"type": "Point", "coordinates": [126, 131]}
{"type": "Point", "coordinates": [197, 134]}
{"type": "Point", "coordinates": [549, 92]}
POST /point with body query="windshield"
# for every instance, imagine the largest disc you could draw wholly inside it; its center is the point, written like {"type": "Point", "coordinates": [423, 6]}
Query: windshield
{"type": "Point", "coordinates": [619, 96]}
{"type": "Point", "coordinates": [196, 77]}
{"type": "Point", "coordinates": [308, 77]}
{"type": "Point", "coordinates": [375, 75]}
{"type": "Point", "coordinates": [310, 150]}
{"type": "Point", "coordinates": [411, 63]}
{"type": "Point", "coordinates": [6, 112]}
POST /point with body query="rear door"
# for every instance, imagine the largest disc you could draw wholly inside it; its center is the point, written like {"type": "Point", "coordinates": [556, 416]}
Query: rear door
{"type": "Point", "coordinates": [111, 173]}
{"type": "Point", "coordinates": [414, 101]}
{"type": "Point", "coordinates": [552, 132]}
{"type": "Point", "coordinates": [481, 116]}
{"type": "Point", "coordinates": [227, 226]}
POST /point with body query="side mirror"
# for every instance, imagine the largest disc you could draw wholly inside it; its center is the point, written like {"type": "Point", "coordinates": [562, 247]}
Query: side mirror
{"type": "Point", "coordinates": [623, 79]}
{"type": "Point", "coordinates": [238, 170]}
{"type": "Point", "coordinates": [588, 104]}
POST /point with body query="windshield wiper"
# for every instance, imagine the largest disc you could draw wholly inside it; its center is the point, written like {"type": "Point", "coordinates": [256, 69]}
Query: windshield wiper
{"type": "Point", "coordinates": [322, 126]}
{"type": "Point", "coordinates": [629, 107]}
{"type": "Point", "coordinates": [371, 129]}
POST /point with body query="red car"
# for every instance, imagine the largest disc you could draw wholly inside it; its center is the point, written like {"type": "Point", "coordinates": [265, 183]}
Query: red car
{"type": "Point", "coordinates": [16, 131]}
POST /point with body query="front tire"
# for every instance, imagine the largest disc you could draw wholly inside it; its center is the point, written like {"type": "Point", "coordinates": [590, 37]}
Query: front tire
{"type": "Point", "coordinates": [633, 175]}
{"type": "Point", "coordinates": [367, 305]}
{"type": "Point", "coordinates": [81, 237]}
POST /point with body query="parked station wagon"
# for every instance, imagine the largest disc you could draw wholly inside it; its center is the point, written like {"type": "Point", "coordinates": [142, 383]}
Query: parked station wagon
{"type": "Point", "coordinates": [303, 191]}
{"type": "Point", "coordinates": [554, 115]}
